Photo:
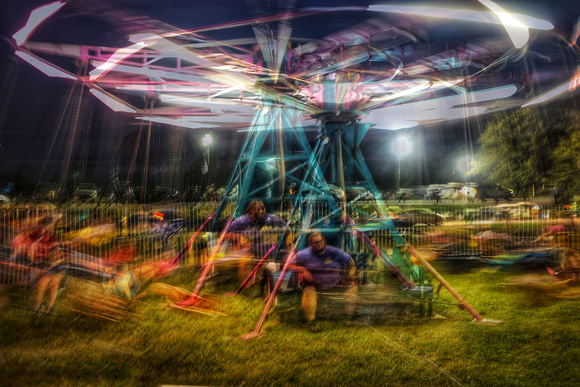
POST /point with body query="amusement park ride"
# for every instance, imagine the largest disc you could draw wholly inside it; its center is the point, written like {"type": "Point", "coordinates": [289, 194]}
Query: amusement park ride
{"type": "Point", "coordinates": [383, 73]}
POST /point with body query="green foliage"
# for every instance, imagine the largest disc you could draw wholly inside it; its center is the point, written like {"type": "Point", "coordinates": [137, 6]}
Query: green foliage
{"type": "Point", "coordinates": [514, 148]}
{"type": "Point", "coordinates": [531, 146]}
{"type": "Point", "coordinates": [566, 155]}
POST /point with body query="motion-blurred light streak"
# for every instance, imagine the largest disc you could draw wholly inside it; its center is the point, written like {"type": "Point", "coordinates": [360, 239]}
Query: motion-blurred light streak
{"type": "Point", "coordinates": [415, 90]}
{"type": "Point", "coordinates": [36, 18]}
{"type": "Point", "coordinates": [201, 89]}
{"type": "Point", "coordinates": [154, 73]}
{"type": "Point", "coordinates": [112, 103]}
{"type": "Point", "coordinates": [181, 122]}
{"type": "Point", "coordinates": [516, 19]}
{"type": "Point", "coordinates": [233, 107]}
{"type": "Point", "coordinates": [433, 110]}
{"type": "Point", "coordinates": [45, 67]}
{"type": "Point", "coordinates": [117, 57]}
{"type": "Point", "coordinates": [575, 33]}
{"type": "Point", "coordinates": [516, 25]}
{"type": "Point", "coordinates": [174, 50]}
{"type": "Point", "coordinates": [557, 91]}
{"type": "Point", "coordinates": [516, 30]}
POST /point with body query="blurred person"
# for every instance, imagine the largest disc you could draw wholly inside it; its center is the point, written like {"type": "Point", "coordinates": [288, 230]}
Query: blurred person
{"type": "Point", "coordinates": [121, 281]}
{"type": "Point", "coordinates": [570, 262]}
{"type": "Point", "coordinates": [574, 213]}
{"type": "Point", "coordinates": [323, 268]}
{"type": "Point", "coordinates": [35, 249]}
{"type": "Point", "coordinates": [47, 289]}
{"type": "Point", "coordinates": [49, 265]}
{"type": "Point", "coordinates": [247, 236]}
{"type": "Point", "coordinates": [556, 233]}
{"type": "Point", "coordinates": [403, 197]}
{"type": "Point", "coordinates": [34, 245]}
{"type": "Point", "coordinates": [255, 218]}
{"type": "Point", "coordinates": [115, 278]}
{"type": "Point", "coordinates": [47, 280]}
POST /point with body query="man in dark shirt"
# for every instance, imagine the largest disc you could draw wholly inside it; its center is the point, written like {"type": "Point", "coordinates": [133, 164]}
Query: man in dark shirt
{"type": "Point", "coordinates": [253, 234]}
{"type": "Point", "coordinates": [247, 231]}
{"type": "Point", "coordinates": [256, 218]}
{"type": "Point", "coordinates": [322, 267]}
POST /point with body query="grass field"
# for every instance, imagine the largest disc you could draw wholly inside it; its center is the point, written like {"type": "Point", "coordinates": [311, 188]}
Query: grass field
{"type": "Point", "coordinates": [387, 344]}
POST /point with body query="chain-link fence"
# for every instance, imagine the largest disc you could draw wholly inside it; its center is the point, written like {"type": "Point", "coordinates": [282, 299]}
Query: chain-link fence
{"type": "Point", "coordinates": [134, 234]}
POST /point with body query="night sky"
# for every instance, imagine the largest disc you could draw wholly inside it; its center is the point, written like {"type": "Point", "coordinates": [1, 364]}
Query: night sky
{"type": "Point", "coordinates": [38, 141]}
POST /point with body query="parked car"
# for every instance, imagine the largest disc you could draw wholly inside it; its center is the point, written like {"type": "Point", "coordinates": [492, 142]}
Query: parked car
{"type": "Point", "coordinates": [421, 216]}
{"type": "Point", "coordinates": [395, 212]}
{"type": "Point", "coordinates": [6, 187]}
{"type": "Point", "coordinates": [434, 192]}
{"type": "Point", "coordinates": [398, 216]}
{"type": "Point", "coordinates": [493, 191]}
{"type": "Point", "coordinates": [6, 191]}
{"type": "Point", "coordinates": [451, 215]}
{"type": "Point", "coordinates": [162, 193]}
{"type": "Point", "coordinates": [483, 213]}
{"type": "Point", "coordinates": [86, 192]}
{"type": "Point", "coordinates": [521, 210]}
{"type": "Point", "coordinates": [389, 194]}
{"type": "Point", "coordinates": [46, 191]}
{"type": "Point", "coordinates": [360, 193]}
{"type": "Point", "coordinates": [418, 192]}
{"type": "Point", "coordinates": [432, 195]}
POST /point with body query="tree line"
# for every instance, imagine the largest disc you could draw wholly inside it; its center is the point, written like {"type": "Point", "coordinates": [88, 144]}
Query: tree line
{"type": "Point", "coordinates": [531, 148]}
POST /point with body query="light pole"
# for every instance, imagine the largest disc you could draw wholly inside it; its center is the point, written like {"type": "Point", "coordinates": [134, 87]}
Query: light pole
{"type": "Point", "coordinates": [206, 141]}
{"type": "Point", "coordinates": [270, 167]}
{"type": "Point", "coordinates": [401, 147]}
{"type": "Point", "coordinates": [465, 165]}
{"type": "Point", "coordinates": [75, 175]}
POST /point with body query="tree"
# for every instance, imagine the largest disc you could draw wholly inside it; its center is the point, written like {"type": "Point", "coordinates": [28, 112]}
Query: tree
{"type": "Point", "coordinates": [565, 172]}
{"type": "Point", "coordinates": [516, 150]}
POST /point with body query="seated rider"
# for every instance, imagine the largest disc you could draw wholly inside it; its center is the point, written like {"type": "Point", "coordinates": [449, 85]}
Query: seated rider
{"type": "Point", "coordinates": [320, 268]}
{"type": "Point", "coordinates": [33, 246]}
{"type": "Point", "coordinates": [255, 218]}
{"type": "Point", "coordinates": [248, 226]}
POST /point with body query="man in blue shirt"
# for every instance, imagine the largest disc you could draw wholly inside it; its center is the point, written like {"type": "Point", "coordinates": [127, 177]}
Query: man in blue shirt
{"type": "Point", "coordinates": [253, 234]}
{"type": "Point", "coordinates": [320, 268]}
{"type": "Point", "coordinates": [251, 225]}
{"type": "Point", "coordinates": [255, 218]}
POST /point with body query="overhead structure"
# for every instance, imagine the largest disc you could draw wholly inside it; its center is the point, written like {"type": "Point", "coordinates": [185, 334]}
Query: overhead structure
{"type": "Point", "coordinates": [393, 61]}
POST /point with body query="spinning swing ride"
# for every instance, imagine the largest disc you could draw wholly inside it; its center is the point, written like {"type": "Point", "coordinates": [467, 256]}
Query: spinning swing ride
{"type": "Point", "coordinates": [382, 72]}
